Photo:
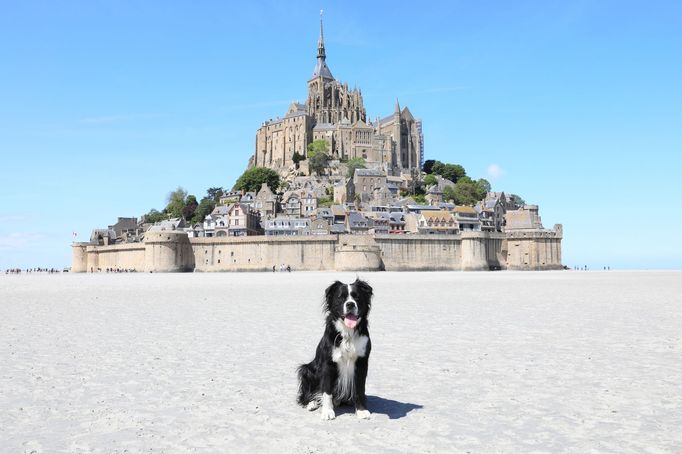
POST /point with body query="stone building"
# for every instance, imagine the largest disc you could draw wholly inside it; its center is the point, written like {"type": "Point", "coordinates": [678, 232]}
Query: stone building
{"type": "Point", "coordinates": [335, 113]}
{"type": "Point", "coordinates": [437, 222]}
{"type": "Point", "coordinates": [265, 202]}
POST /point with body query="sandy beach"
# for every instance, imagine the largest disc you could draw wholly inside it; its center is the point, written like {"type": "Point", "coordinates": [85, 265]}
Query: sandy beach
{"type": "Point", "coordinates": [461, 362]}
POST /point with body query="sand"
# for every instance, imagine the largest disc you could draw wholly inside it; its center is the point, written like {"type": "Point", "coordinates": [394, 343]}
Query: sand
{"type": "Point", "coordinates": [461, 362]}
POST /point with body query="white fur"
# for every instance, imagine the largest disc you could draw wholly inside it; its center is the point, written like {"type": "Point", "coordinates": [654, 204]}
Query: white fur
{"type": "Point", "coordinates": [352, 347]}
{"type": "Point", "coordinates": [313, 404]}
{"type": "Point", "coordinates": [349, 287]}
{"type": "Point", "coordinates": [327, 411]}
{"type": "Point", "coordinates": [362, 414]}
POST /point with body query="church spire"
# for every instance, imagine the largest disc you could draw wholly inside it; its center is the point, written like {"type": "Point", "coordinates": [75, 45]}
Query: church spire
{"type": "Point", "coordinates": [397, 106]}
{"type": "Point", "coordinates": [321, 69]}
{"type": "Point", "coordinates": [320, 42]}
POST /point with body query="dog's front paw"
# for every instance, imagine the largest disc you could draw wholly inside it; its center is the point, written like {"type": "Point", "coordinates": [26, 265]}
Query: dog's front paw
{"type": "Point", "coordinates": [327, 414]}
{"type": "Point", "coordinates": [362, 414]}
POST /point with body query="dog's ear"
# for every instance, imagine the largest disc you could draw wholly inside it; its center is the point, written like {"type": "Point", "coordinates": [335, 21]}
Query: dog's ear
{"type": "Point", "coordinates": [364, 288]}
{"type": "Point", "coordinates": [329, 295]}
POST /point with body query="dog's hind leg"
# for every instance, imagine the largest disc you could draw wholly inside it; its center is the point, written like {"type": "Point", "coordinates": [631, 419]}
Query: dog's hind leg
{"type": "Point", "coordinates": [313, 404]}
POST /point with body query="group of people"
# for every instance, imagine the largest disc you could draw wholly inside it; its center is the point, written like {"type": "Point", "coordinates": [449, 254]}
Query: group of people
{"type": "Point", "coordinates": [282, 267]}
{"type": "Point", "coordinates": [32, 270]}
{"type": "Point", "coordinates": [113, 270]}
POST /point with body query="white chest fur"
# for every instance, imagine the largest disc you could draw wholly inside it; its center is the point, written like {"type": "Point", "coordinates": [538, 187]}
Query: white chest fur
{"type": "Point", "coordinates": [352, 347]}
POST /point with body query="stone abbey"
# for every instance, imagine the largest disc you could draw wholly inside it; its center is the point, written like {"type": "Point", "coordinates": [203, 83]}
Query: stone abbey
{"type": "Point", "coordinates": [335, 113]}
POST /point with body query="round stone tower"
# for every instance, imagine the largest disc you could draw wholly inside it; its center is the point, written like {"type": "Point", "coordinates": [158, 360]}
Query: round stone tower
{"type": "Point", "coordinates": [167, 251]}
{"type": "Point", "coordinates": [358, 253]}
{"type": "Point", "coordinates": [79, 257]}
{"type": "Point", "coordinates": [474, 252]}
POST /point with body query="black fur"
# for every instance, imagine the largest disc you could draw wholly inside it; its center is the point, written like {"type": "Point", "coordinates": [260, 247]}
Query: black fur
{"type": "Point", "coordinates": [320, 375]}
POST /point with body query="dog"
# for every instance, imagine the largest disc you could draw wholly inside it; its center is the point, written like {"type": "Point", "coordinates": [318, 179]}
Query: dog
{"type": "Point", "coordinates": [338, 373]}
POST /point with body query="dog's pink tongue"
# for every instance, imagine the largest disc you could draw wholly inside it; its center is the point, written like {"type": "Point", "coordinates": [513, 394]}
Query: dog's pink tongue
{"type": "Point", "coordinates": [350, 321]}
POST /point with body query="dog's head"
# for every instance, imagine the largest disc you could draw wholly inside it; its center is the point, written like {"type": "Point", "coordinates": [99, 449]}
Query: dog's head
{"type": "Point", "coordinates": [348, 303]}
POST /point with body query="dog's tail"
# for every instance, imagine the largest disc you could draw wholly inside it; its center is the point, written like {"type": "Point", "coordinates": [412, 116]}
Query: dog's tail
{"type": "Point", "coordinates": [307, 384]}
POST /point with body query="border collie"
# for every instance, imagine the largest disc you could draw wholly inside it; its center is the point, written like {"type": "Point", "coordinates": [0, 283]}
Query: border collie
{"type": "Point", "coordinates": [337, 374]}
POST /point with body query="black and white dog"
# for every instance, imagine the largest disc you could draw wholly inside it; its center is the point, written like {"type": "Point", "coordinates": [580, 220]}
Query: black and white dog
{"type": "Point", "coordinates": [337, 374]}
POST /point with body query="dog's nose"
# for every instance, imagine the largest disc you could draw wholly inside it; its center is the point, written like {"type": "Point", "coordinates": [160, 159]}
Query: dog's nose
{"type": "Point", "coordinates": [350, 305]}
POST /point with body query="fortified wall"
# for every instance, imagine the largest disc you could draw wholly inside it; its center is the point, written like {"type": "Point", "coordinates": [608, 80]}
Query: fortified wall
{"type": "Point", "coordinates": [173, 251]}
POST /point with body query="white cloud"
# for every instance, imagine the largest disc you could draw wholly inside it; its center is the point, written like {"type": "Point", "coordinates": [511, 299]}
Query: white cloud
{"type": "Point", "coordinates": [495, 171]}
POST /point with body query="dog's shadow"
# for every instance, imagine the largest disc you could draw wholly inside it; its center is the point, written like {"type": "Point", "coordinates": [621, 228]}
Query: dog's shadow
{"type": "Point", "coordinates": [391, 408]}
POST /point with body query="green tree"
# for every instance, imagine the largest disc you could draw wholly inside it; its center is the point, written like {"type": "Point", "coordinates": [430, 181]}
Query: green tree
{"type": "Point", "coordinates": [176, 202]}
{"type": "Point", "coordinates": [465, 192]}
{"type": "Point", "coordinates": [205, 207]}
{"type": "Point", "coordinates": [354, 163]}
{"type": "Point", "coordinates": [318, 162]}
{"type": "Point", "coordinates": [318, 146]}
{"type": "Point", "coordinates": [430, 180]}
{"type": "Point", "coordinates": [297, 157]}
{"type": "Point", "coordinates": [484, 186]}
{"type": "Point", "coordinates": [214, 194]}
{"type": "Point", "coordinates": [449, 194]}
{"type": "Point", "coordinates": [428, 165]}
{"type": "Point", "coordinates": [516, 200]}
{"type": "Point", "coordinates": [452, 172]}
{"type": "Point", "coordinates": [252, 179]}
{"type": "Point", "coordinates": [154, 215]}
{"type": "Point", "coordinates": [190, 208]}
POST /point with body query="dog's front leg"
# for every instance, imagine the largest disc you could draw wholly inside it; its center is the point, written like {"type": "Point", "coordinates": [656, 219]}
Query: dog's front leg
{"type": "Point", "coordinates": [360, 397]}
{"type": "Point", "coordinates": [328, 379]}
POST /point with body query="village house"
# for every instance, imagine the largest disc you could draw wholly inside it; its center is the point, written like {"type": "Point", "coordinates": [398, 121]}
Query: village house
{"type": "Point", "coordinates": [367, 185]}
{"type": "Point", "coordinates": [380, 221]}
{"type": "Point", "coordinates": [285, 226]}
{"type": "Point", "coordinates": [396, 222]}
{"type": "Point", "coordinates": [356, 223]}
{"type": "Point", "coordinates": [308, 203]}
{"type": "Point", "coordinates": [230, 197]}
{"type": "Point", "coordinates": [467, 219]}
{"type": "Point", "coordinates": [265, 202]}
{"type": "Point", "coordinates": [319, 226]}
{"type": "Point", "coordinates": [243, 220]}
{"type": "Point", "coordinates": [339, 213]}
{"type": "Point", "coordinates": [437, 222]}
{"type": "Point", "coordinates": [127, 230]}
{"type": "Point", "coordinates": [323, 213]}
{"type": "Point", "coordinates": [248, 198]}
{"type": "Point", "coordinates": [291, 204]}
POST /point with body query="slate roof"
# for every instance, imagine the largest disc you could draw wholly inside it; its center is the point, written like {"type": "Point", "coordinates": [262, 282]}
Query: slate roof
{"type": "Point", "coordinates": [322, 70]}
{"type": "Point", "coordinates": [369, 173]}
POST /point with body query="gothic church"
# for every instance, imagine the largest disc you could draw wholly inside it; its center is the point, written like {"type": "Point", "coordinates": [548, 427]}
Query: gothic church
{"type": "Point", "coordinates": [336, 114]}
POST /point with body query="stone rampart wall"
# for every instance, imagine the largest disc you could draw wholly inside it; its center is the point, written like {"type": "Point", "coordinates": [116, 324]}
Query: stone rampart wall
{"type": "Point", "coordinates": [173, 251]}
{"type": "Point", "coordinates": [261, 253]}
{"type": "Point", "coordinates": [130, 256]}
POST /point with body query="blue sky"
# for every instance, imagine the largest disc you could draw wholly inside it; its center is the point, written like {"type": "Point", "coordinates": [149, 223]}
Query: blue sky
{"type": "Point", "coordinates": [106, 106]}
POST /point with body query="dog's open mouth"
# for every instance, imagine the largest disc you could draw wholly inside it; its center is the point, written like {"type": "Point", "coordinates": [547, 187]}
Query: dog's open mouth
{"type": "Point", "coordinates": [350, 320]}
